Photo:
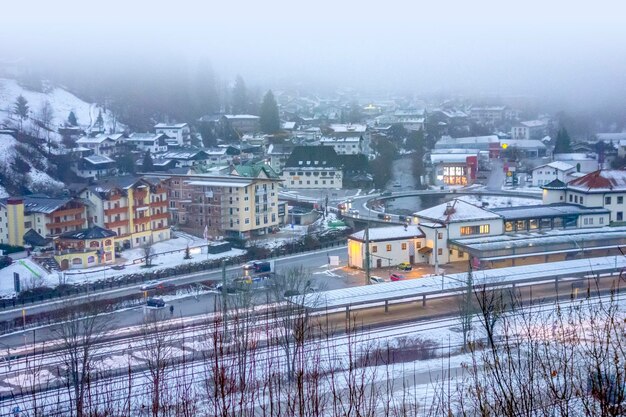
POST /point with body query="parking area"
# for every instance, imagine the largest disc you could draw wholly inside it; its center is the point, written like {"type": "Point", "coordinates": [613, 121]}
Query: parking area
{"type": "Point", "coordinates": [357, 276]}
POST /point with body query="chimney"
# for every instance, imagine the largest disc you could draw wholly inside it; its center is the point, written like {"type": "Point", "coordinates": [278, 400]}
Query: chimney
{"type": "Point", "coordinates": [449, 209]}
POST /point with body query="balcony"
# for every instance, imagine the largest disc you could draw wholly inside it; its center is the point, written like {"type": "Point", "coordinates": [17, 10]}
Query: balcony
{"type": "Point", "coordinates": [115, 210]}
{"type": "Point", "coordinates": [159, 204]}
{"type": "Point", "coordinates": [141, 220]}
{"type": "Point", "coordinates": [67, 223]}
{"type": "Point", "coordinates": [116, 223]}
{"type": "Point", "coordinates": [69, 212]}
{"type": "Point", "coordinates": [158, 216]}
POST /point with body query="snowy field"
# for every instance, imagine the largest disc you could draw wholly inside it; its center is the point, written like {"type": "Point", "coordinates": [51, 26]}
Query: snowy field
{"type": "Point", "coordinates": [62, 102]}
{"type": "Point", "coordinates": [340, 362]}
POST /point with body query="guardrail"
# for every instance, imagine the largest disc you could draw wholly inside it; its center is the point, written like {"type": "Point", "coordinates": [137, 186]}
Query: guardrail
{"type": "Point", "coordinates": [127, 280]}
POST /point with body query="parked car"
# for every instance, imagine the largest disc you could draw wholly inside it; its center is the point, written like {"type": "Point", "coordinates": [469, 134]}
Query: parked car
{"type": "Point", "coordinates": [155, 302]}
{"type": "Point", "coordinates": [150, 285]}
{"type": "Point", "coordinates": [405, 266]}
{"type": "Point", "coordinates": [5, 261]}
{"type": "Point", "coordinates": [376, 280]}
{"type": "Point", "coordinates": [396, 277]}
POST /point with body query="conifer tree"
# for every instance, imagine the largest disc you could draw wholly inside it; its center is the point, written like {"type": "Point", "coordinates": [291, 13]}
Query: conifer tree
{"type": "Point", "coordinates": [72, 120]}
{"type": "Point", "coordinates": [147, 164]}
{"type": "Point", "coordinates": [269, 120]}
{"type": "Point", "coordinates": [563, 142]}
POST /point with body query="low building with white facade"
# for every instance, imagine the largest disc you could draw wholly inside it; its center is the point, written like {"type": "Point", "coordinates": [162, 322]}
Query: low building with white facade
{"type": "Point", "coordinates": [101, 144]}
{"type": "Point", "coordinates": [388, 246]}
{"type": "Point", "coordinates": [350, 145]}
{"type": "Point", "coordinates": [531, 129]}
{"type": "Point", "coordinates": [602, 188]}
{"type": "Point", "coordinates": [148, 142]}
{"type": "Point", "coordinates": [454, 220]}
{"type": "Point", "coordinates": [557, 170]}
{"type": "Point", "coordinates": [454, 166]}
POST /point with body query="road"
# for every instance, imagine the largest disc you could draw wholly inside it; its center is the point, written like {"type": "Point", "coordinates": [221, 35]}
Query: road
{"type": "Point", "coordinates": [496, 176]}
{"type": "Point", "coordinates": [323, 276]}
{"type": "Point", "coordinates": [310, 260]}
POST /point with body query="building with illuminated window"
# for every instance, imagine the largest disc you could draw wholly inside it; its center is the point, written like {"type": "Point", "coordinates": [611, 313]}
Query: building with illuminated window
{"type": "Point", "coordinates": [458, 231]}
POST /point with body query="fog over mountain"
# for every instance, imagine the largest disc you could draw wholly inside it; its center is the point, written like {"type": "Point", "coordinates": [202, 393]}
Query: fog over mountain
{"type": "Point", "coordinates": [565, 51]}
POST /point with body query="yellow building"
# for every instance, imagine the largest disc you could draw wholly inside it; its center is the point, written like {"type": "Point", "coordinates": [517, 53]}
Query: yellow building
{"type": "Point", "coordinates": [134, 208]}
{"type": "Point", "coordinates": [85, 248]}
{"type": "Point", "coordinates": [40, 215]}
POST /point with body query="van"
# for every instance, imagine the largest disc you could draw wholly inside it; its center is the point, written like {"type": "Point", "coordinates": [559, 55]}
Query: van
{"type": "Point", "coordinates": [262, 267]}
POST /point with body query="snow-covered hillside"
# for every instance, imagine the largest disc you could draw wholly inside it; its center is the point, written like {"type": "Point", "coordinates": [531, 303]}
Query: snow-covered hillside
{"type": "Point", "coordinates": [62, 103]}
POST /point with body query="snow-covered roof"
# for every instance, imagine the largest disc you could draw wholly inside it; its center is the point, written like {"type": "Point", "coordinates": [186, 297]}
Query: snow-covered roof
{"type": "Point", "coordinates": [447, 140]}
{"type": "Point", "coordinates": [145, 137]}
{"type": "Point", "coordinates": [558, 165]}
{"type": "Point", "coordinates": [43, 204]}
{"type": "Point", "coordinates": [454, 212]}
{"type": "Point", "coordinates": [533, 123]}
{"type": "Point", "coordinates": [184, 154]}
{"type": "Point", "coordinates": [218, 183]}
{"type": "Point", "coordinates": [452, 157]}
{"type": "Point", "coordinates": [348, 128]}
{"type": "Point", "coordinates": [600, 181]}
{"type": "Point", "coordinates": [573, 157]}
{"type": "Point", "coordinates": [432, 285]}
{"type": "Point", "coordinates": [98, 159]}
{"type": "Point", "coordinates": [548, 210]}
{"type": "Point", "coordinates": [582, 238]}
{"type": "Point", "coordinates": [611, 136]}
{"type": "Point", "coordinates": [389, 233]}
{"type": "Point", "coordinates": [289, 125]}
{"type": "Point", "coordinates": [241, 117]}
{"type": "Point", "coordinates": [170, 126]}
{"type": "Point", "coordinates": [523, 143]}
{"type": "Point", "coordinates": [351, 139]}
{"type": "Point", "coordinates": [84, 140]}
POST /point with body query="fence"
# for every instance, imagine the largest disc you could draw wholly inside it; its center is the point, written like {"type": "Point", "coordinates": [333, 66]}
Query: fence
{"type": "Point", "coordinates": [66, 291]}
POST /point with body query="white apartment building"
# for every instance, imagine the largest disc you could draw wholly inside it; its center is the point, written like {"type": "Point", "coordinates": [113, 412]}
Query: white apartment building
{"type": "Point", "coordinates": [178, 134]}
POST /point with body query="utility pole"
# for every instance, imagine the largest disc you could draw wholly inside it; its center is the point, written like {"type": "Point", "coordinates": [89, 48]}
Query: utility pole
{"type": "Point", "coordinates": [224, 293]}
{"type": "Point", "coordinates": [367, 253]}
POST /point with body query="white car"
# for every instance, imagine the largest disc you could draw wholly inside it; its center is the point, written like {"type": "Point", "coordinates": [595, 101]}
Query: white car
{"type": "Point", "coordinates": [376, 280]}
{"type": "Point", "coordinates": [249, 265]}
{"type": "Point", "coordinates": [150, 285]}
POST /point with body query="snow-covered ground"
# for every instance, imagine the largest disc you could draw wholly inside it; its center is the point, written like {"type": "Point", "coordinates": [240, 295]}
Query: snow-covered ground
{"type": "Point", "coordinates": [341, 362]}
{"type": "Point", "coordinates": [62, 102]}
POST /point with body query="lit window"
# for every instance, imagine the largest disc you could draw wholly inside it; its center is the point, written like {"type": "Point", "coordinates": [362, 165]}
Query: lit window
{"type": "Point", "coordinates": [389, 248]}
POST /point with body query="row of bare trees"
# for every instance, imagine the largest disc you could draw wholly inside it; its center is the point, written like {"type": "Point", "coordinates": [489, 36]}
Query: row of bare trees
{"type": "Point", "coordinates": [265, 357]}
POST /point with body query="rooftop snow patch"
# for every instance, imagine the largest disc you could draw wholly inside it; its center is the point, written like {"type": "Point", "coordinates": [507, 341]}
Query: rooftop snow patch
{"type": "Point", "coordinates": [456, 211]}
{"type": "Point", "coordinates": [389, 233]}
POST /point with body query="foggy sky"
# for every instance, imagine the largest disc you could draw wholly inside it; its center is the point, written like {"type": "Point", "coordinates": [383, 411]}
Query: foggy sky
{"type": "Point", "coordinates": [572, 50]}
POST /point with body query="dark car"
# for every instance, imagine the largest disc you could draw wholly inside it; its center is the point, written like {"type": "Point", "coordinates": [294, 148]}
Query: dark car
{"type": "Point", "coordinates": [386, 194]}
{"type": "Point", "coordinates": [155, 302]}
{"type": "Point", "coordinates": [262, 267]}
{"type": "Point", "coordinates": [5, 261]}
